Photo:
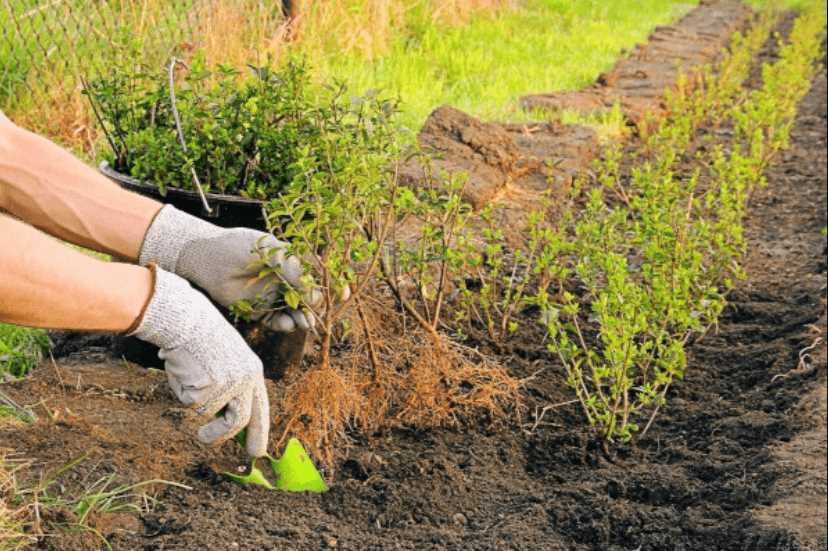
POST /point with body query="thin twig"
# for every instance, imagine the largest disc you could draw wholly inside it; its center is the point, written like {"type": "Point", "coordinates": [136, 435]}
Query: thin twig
{"type": "Point", "coordinates": [97, 114]}
{"type": "Point", "coordinates": [182, 141]}
{"type": "Point", "coordinates": [543, 412]}
{"type": "Point", "coordinates": [655, 412]}
{"type": "Point", "coordinates": [372, 352]}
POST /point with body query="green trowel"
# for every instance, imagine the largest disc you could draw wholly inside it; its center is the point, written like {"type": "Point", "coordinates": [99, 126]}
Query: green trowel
{"type": "Point", "coordinates": [295, 471]}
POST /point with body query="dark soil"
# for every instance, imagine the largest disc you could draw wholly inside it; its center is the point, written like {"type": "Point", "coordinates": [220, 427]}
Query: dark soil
{"type": "Point", "coordinates": [736, 461]}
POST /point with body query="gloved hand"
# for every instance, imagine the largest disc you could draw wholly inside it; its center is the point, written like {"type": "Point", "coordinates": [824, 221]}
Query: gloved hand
{"type": "Point", "coordinates": [208, 364]}
{"type": "Point", "coordinates": [223, 262]}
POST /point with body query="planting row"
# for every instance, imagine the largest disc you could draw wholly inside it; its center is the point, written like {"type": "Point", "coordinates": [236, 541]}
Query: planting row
{"type": "Point", "coordinates": [646, 266]}
{"type": "Point", "coordinates": [623, 280]}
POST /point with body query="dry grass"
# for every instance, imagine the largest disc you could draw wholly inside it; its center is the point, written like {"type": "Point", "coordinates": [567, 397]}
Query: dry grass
{"type": "Point", "coordinates": [61, 114]}
{"type": "Point", "coordinates": [458, 12]}
{"type": "Point", "coordinates": [12, 517]}
{"type": "Point", "coordinates": [368, 27]}
{"type": "Point", "coordinates": [239, 33]}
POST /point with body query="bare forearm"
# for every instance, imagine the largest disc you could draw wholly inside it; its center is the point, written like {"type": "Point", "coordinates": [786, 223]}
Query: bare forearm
{"type": "Point", "coordinates": [51, 189]}
{"type": "Point", "coordinates": [44, 283]}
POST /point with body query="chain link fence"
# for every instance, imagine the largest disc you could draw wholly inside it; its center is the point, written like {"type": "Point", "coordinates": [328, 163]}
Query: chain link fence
{"type": "Point", "coordinates": [56, 43]}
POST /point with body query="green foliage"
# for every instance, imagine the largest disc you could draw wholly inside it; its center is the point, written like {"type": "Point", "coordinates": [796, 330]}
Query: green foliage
{"type": "Point", "coordinates": [649, 263]}
{"type": "Point", "coordinates": [763, 123]}
{"type": "Point", "coordinates": [499, 277]}
{"type": "Point", "coordinates": [441, 250]}
{"type": "Point", "coordinates": [21, 349]}
{"type": "Point", "coordinates": [339, 208]}
{"type": "Point", "coordinates": [244, 134]}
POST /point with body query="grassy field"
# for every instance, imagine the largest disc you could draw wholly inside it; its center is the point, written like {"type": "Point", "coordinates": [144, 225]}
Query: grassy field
{"type": "Point", "coordinates": [483, 67]}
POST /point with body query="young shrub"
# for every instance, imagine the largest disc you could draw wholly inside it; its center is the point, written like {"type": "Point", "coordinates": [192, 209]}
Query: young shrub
{"type": "Point", "coordinates": [418, 269]}
{"type": "Point", "coordinates": [501, 277]}
{"type": "Point", "coordinates": [337, 213]}
{"type": "Point", "coordinates": [626, 309]}
{"type": "Point", "coordinates": [382, 258]}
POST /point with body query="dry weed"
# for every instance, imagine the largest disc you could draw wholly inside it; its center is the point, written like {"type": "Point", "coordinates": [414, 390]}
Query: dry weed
{"type": "Point", "coordinates": [368, 27]}
{"type": "Point", "coordinates": [12, 517]}
{"type": "Point", "coordinates": [236, 34]}
{"type": "Point", "coordinates": [458, 12]}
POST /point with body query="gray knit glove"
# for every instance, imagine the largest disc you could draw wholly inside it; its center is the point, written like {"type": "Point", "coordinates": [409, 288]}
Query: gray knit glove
{"type": "Point", "coordinates": [208, 364]}
{"type": "Point", "coordinates": [223, 263]}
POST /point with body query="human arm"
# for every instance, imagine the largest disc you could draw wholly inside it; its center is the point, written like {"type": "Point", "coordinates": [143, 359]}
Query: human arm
{"type": "Point", "coordinates": [51, 189]}
{"type": "Point", "coordinates": [45, 284]}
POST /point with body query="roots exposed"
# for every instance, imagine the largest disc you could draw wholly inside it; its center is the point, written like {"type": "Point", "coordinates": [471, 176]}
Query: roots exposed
{"type": "Point", "coordinates": [388, 374]}
{"type": "Point", "coordinates": [444, 387]}
{"type": "Point", "coordinates": [318, 408]}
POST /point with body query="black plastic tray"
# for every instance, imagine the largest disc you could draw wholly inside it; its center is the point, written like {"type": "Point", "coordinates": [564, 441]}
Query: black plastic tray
{"type": "Point", "coordinates": [229, 211]}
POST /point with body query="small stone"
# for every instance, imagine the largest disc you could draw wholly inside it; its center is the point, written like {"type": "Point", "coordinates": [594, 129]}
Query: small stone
{"type": "Point", "coordinates": [331, 542]}
{"type": "Point", "coordinates": [460, 518]}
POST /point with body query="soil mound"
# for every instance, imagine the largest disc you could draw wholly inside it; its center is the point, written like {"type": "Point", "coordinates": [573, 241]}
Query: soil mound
{"type": "Point", "coordinates": [461, 144]}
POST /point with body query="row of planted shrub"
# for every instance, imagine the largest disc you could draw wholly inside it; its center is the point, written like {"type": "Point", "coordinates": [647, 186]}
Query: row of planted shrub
{"type": "Point", "coordinates": [647, 264]}
{"type": "Point", "coordinates": [623, 279]}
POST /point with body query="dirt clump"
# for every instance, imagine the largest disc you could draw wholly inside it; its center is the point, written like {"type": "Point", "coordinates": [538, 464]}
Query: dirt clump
{"type": "Point", "coordinates": [461, 144]}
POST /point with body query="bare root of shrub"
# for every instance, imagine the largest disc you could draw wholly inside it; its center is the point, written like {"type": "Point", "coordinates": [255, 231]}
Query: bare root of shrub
{"type": "Point", "coordinates": [388, 373]}
{"type": "Point", "coordinates": [318, 408]}
{"type": "Point", "coordinates": [444, 387]}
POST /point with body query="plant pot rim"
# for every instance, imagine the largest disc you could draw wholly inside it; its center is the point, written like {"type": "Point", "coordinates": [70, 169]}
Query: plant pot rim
{"type": "Point", "coordinates": [133, 184]}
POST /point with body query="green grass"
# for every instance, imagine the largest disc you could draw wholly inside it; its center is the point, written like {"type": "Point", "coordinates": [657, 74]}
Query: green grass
{"type": "Point", "coordinates": [484, 67]}
{"type": "Point", "coordinates": [20, 349]}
